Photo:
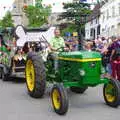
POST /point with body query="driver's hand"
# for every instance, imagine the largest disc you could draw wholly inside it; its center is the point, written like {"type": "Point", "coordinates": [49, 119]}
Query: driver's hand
{"type": "Point", "coordinates": [53, 49]}
{"type": "Point", "coordinates": [66, 49]}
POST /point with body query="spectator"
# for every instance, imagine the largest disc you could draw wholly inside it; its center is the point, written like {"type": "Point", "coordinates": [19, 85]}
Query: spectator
{"type": "Point", "coordinates": [88, 46]}
{"type": "Point", "coordinates": [75, 44]}
{"type": "Point", "coordinates": [68, 41]}
{"type": "Point", "coordinates": [115, 59]}
{"type": "Point", "coordinates": [105, 59]}
{"type": "Point", "coordinates": [99, 45]}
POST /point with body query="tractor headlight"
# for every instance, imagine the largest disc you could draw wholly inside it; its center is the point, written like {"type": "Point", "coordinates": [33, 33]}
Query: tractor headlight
{"type": "Point", "coordinates": [82, 73]}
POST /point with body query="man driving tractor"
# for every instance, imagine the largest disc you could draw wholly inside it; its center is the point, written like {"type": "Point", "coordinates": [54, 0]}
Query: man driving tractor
{"type": "Point", "coordinates": [56, 43]}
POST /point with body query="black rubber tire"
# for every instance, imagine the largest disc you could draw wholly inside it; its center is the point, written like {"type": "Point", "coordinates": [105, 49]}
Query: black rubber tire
{"type": "Point", "coordinates": [116, 85]}
{"type": "Point", "coordinates": [78, 89]}
{"type": "Point", "coordinates": [40, 76]}
{"type": "Point", "coordinates": [63, 99]}
{"type": "Point", "coordinates": [5, 77]}
{"type": "Point", "coordinates": [1, 73]}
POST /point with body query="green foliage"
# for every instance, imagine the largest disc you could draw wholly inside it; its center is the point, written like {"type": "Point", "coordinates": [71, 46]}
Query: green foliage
{"type": "Point", "coordinates": [7, 20]}
{"type": "Point", "coordinates": [69, 28]}
{"type": "Point", "coordinates": [77, 12]}
{"type": "Point", "coordinates": [37, 15]}
{"type": "Point", "coordinates": [38, 3]}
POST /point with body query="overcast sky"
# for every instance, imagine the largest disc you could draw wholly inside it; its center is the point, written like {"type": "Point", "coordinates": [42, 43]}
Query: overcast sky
{"type": "Point", "coordinates": [7, 5]}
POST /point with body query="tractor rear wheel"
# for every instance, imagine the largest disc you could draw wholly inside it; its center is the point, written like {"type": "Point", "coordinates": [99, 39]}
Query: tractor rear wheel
{"type": "Point", "coordinates": [78, 89]}
{"type": "Point", "coordinates": [111, 92]}
{"type": "Point", "coordinates": [1, 73]}
{"type": "Point", "coordinates": [35, 76]}
{"type": "Point", "coordinates": [59, 99]}
{"type": "Point", "coordinates": [5, 77]}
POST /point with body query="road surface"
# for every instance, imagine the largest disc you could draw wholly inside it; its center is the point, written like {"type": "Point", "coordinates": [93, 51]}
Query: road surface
{"type": "Point", "coordinates": [16, 104]}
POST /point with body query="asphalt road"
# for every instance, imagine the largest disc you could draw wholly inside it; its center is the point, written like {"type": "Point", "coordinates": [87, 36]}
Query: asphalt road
{"type": "Point", "coordinates": [16, 104]}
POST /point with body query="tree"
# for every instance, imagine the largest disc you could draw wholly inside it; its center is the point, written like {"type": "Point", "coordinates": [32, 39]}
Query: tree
{"type": "Point", "coordinates": [7, 20]}
{"type": "Point", "coordinates": [37, 15]}
{"type": "Point", "coordinates": [77, 12]}
{"type": "Point", "coordinates": [67, 27]}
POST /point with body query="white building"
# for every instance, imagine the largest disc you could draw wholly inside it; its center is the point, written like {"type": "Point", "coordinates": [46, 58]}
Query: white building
{"type": "Point", "coordinates": [18, 15]}
{"type": "Point", "coordinates": [110, 18]}
{"type": "Point", "coordinates": [92, 27]}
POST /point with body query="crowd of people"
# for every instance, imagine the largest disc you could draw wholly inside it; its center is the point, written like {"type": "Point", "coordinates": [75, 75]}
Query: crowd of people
{"type": "Point", "coordinates": [71, 41]}
{"type": "Point", "coordinates": [110, 51]}
{"type": "Point", "coordinates": [108, 47]}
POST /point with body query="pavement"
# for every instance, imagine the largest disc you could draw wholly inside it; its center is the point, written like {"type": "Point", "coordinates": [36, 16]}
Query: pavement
{"type": "Point", "coordinates": [16, 104]}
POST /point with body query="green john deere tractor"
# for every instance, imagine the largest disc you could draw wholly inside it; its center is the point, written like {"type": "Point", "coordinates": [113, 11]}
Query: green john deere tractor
{"type": "Point", "coordinates": [76, 70]}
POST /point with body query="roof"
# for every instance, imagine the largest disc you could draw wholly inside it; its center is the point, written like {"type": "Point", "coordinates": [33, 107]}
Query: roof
{"type": "Point", "coordinates": [95, 12]}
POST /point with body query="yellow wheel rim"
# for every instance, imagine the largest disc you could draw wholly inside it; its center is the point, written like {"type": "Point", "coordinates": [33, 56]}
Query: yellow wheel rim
{"type": "Point", "coordinates": [109, 93]}
{"type": "Point", "coordinates": [56, 99]}
{"type": "Point", "coordinates": [30, 75]}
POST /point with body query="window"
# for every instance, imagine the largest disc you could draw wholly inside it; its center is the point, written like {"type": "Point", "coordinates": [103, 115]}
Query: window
{"type": "Point", "coordinates": [103, 29]}
{"type": "Point", "coordinates": [88, 32]}
{"type": "Point", "coordinates": [107, 14]}
{"type": "Point", "coordinates": [103, 18]}
{"type": "Point", "coordinates": [113, 11]}
{"type": "Point", "coordinates": [96, 20]}
{"type": "Point", "coordinates": [91, 31]}
{"type": "Point", "coordinates": [98, 30]}
{"type": "Point", "coordinates": [91, 22]}
{"type": "Point", "coordinates": [119, 8]}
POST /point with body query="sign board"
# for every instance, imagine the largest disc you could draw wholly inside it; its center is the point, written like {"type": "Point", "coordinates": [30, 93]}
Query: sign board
{"type": "Point", "coordinates": [24, 36]}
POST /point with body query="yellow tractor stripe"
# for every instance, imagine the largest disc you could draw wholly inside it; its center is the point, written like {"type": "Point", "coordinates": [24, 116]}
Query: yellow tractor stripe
{"type": "Point", "coordinates": [79, 60]}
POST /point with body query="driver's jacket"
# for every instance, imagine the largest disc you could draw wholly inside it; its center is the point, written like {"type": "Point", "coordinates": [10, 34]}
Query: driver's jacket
{"type": "Point", "coordinates": [57, 42]}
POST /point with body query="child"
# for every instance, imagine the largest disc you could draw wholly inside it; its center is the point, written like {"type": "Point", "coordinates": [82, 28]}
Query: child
{"type": "Point", "coordinates": [105, 60]}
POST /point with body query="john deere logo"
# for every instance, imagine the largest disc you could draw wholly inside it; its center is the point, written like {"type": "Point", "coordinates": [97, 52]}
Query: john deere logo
{"type": "Point", "coordinates": [92, 64]}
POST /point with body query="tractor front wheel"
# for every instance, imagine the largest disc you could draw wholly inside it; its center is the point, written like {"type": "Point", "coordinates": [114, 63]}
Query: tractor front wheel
{"type": "Point", "coordinates": [35, 76]}
{"type": "Point", "coordinates": [111, 92]}
{"type": "Point", "coordinates": [78, 89]}
{"type": "Point", "coordinates": [59, 99]}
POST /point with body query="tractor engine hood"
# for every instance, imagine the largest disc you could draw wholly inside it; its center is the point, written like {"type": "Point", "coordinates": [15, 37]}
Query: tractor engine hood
{"type": "Point", "coordinates": [80, 56]}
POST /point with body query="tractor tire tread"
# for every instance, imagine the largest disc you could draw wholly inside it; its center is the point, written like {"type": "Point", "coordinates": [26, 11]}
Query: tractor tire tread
{"type": "Point", "coordinates": [40, 85]}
